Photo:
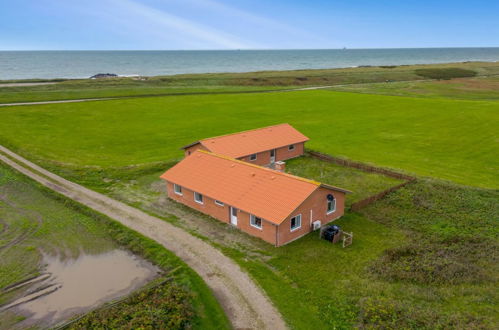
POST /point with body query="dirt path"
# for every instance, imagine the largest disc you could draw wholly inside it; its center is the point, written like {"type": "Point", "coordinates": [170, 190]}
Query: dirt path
{"type": "Point", "coordinates": [160, 95]}
{"type": "Point", "coordinates": [55, 102]}
{"type": "Point", "coordinates": [245, 303]}
{"type": "Point", "coordinates": [26, 84]}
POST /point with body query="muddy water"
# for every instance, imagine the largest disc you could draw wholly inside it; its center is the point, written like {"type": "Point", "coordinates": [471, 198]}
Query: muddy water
{"type": "Point", "coordinates": [77, 286]}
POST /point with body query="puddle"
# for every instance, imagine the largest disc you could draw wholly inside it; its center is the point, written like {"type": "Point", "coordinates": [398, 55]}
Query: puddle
{"type": "Point", "coordinates": [75, 286]}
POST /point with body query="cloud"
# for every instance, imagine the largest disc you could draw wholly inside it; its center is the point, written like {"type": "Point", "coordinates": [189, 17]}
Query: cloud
{"type": "Point", "coordinates": [253, 19]}
{"type": "Point", "coordinates": [167, 20]}
{"type": "Point", "coordinates": [143, 23]}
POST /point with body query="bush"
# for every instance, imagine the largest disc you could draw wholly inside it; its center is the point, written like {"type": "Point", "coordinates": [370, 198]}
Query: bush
{"type": "Point", "coordinates": [445, 73]}
{"type": "Point", "coordinates": [166, 306]}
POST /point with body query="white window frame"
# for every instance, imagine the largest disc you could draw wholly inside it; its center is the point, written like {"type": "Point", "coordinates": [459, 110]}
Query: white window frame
{"type": "Point", "coordinates": [219, 203]}
{"type": "Point", "coordinates": [251, 157]}
{"type": "Point", "coordinates": [291, 222]}
{"type": "Point", "coordinates": [200, 200]}
{"type": "Point", "coordinates": [252, 222]}
{"type": "Point", "coordinates": [291, 147]}
{"type": "Point", "coordinates": [327, 208]}
{"type": "Point", "coordinates": [179, 192]}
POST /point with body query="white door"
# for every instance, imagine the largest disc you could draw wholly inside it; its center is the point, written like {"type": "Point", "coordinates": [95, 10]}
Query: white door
{"type": "Point", "coordinates": [233, 216]}
{"type": "Point", "coordinates": [272, 156]}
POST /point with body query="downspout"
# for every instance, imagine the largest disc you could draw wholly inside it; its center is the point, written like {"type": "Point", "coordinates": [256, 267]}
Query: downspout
{"type": "Point", "coordinates": [276, 235]}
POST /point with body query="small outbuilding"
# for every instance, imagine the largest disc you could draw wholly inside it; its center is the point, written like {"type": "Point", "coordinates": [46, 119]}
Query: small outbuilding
{"type": "Point", "coordinates": [274, 206]}
{"type": "Point", "coordinates": [261, 146]}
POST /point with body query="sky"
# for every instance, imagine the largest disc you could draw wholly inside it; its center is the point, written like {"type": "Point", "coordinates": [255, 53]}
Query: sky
{"type": "Point", "coordinates": [245, 24]}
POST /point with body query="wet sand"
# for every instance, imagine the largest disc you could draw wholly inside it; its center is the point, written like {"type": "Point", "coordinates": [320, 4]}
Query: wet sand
{"type": "Point", "coordinates": [76, 286]}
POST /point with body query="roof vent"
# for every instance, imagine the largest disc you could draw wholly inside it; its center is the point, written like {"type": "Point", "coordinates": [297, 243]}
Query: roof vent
{"type": "Point", "coordinates": [253, 173]}
{"type": "Point", "coordinates": [272, 178]}
{"type": "Point", "coordinates": [232, 165]}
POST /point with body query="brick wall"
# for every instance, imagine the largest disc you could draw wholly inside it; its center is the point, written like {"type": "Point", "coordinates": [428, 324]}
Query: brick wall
{"type": "Point", "coordinates": [283, 153]}
{"type": "Point", "coordinates": [267, 233]}
{"type": "Point", "coordinates": [317, 202]}
{"type": "Point", "coordinates": [193, 148]}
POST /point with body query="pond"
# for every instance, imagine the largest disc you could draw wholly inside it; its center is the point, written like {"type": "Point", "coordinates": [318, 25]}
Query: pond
{"type": "Point", "coordinates": [70, 287]}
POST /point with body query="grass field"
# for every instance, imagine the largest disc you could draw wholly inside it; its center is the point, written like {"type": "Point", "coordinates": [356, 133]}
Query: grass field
{"type": "Point", "coordinates": [227, 82]}
{"type": "Point", "coordinates": [451, 139]}
{"type": "Point", "coordinates": [478, 88]}
{"type": "Point", "coordinates": [35, 221]}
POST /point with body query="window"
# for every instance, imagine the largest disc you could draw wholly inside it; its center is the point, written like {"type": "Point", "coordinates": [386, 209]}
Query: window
{"type": "Point", "coordinates": [198, 198]}
{"type": "Point", "coordinates": [188, 153]}
{"type": "Point", "coordinates": [291, 147]}
{"type": "Point", "coordinates": [219, 203]}
{"type": "Point", "coordinates": [177, 189]}
{"type": "Point", "coordinates": [296, 222]}
{"type": "Point", "coordinates": [331, 204]}
{"type": "Point", "coordinates": [256, 221]}
{"type": "Point", "coordinates": [253, 157]}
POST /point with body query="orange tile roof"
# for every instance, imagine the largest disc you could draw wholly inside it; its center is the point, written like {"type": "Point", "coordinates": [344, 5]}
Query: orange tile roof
{"type": "Point", "coordinates": [266, 193]}
{"type": "Point", "coordinates": [253, 141]}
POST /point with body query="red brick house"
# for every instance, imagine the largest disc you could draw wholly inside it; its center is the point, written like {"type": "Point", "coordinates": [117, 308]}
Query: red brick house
{"type": "Point", "coordinates": [260, 146]}
{"type": "Point", "coordinates": [272, 205]}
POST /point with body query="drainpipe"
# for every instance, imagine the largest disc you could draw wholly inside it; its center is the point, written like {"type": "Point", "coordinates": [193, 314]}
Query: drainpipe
{"type": "Point", "coordinates": [276, 235]}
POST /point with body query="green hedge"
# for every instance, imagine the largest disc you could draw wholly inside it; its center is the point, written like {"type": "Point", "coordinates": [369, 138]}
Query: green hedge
{"type": "Point", "coordinates": [445, 73]}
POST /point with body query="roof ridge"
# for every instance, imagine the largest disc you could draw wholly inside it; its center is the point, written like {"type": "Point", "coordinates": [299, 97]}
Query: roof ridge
{"type": "Point", "coordinates": [240, 132]}
{"type": "Point", "coordinates": [316, 183]}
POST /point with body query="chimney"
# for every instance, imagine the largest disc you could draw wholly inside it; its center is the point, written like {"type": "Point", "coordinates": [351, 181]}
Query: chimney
{"type": "Point", "coordinates": [280, 166]}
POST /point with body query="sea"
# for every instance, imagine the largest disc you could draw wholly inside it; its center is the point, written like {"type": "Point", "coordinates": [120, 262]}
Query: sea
{"type": "Point", "coordinates": [83, 64]}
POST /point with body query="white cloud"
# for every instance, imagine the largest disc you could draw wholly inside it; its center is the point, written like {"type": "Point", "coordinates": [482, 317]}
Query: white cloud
{"type": "Point", "coordinates": [167, 20]}
{"type": "Point", "coordinates": [254, 19]}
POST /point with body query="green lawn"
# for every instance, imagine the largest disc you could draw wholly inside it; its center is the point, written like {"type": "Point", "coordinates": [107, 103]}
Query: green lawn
{"type": "Point", "coordinates": [39, 221]}
{"type": "Point", "coordinates": [451, 139]}
{"type": "Point", "coordinates": [361, 184]}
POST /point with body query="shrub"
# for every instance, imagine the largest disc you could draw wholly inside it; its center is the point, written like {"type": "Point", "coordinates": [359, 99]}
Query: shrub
{"type": "Point", "coordinates": [445, 73]}
{"type": "Point", "coordinates": [166, 306]}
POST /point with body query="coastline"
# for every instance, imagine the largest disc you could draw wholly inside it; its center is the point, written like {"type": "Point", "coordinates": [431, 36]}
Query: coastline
{"type": "Point", "coordinates": [23, 65]}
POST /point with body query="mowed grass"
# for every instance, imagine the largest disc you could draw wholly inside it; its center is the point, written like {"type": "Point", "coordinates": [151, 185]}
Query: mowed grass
{"type": "Point", "coordinates": [450, 139]}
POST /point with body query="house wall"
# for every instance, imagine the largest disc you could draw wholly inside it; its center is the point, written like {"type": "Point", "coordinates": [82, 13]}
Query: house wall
{"type": "Point", "coordinates": [267, 233]}
{"type": "Point", "coordinates": [317, 202]}
{"type": "Point", "coordinates": [191, 149]}
{"type": "Point", "coordinates": [263, 158]}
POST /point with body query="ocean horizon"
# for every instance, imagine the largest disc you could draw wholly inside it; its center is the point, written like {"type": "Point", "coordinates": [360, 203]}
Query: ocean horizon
{"type": "Point", "coordinates": [69, 64]}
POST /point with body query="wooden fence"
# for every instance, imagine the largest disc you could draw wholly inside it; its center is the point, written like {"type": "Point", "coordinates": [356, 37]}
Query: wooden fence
{"type": "Point", "coordinates": [360, 166]}
{"type": "Point", "coordinates": [366, 168]}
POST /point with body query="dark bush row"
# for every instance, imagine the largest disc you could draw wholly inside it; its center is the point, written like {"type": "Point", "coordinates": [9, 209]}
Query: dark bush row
{"type": "Point", "coordinates": [445, 73]}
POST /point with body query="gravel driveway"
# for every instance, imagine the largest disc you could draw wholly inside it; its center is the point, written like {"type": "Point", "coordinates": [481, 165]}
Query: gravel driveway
{"type": "Point", "coordinates": [244, 302]}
